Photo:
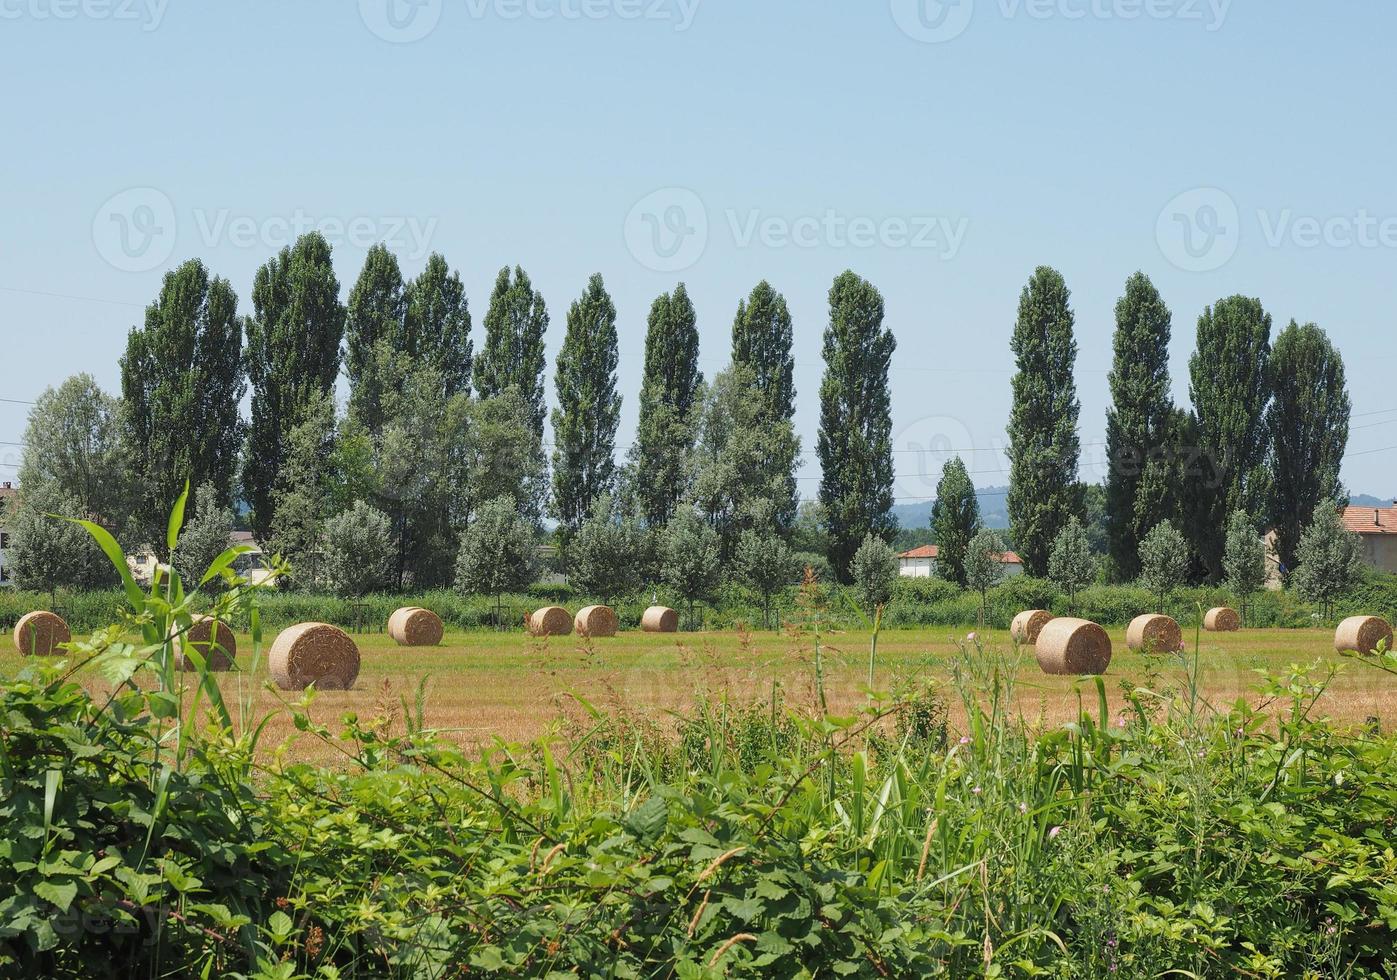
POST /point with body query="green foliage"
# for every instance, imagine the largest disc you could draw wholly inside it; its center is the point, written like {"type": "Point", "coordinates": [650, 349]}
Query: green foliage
{"type": "Point", "coordinates": [513, 356]}
{"type": "Point", "coordinates": [1043, 442]}
{"type": "Point", "coordinates": [307, 492]}
{"type": "Point", "coordinates": [589, 408]}
{"type": "Point", "coordinates": [955, 517]}
{"type": "Point", "coordinates": [1163, 560]}
{"type": "Point", "coordinates": [762, 340]}
{"type": "Point", "coordinates": [744, 464]}
{"type": "Point", "coordinates": [1230, 382]}
{"type": "Point", "coordinates": [1244, 556]}
{"type": "Point", "coordinates": [358, 551]}
{"type": "Point", "coordinates": [205, 534]}
{"type": "Point", "coordinates": [46, 554]}
{"type": "Point", "coordinates": [874, 573]}
{"type": "Point", "coordinates": [1138, 423]}
{"type": "Point", "coordinates": [984, 566]}
{"type": "Point", "coordinates": [670, 402]}
{"type": "Point", "coordinates": [1330, 559]}
{"type": "Point", "coordinates": [604, 558]}
{"type": "Point", "coordinates": [493, 453]}
{"type": "Point", "coordinates": [689, 559]}
{"type": "Point", "coordinates": [437, 326]}
{"type": "Point", "coordinates": [854, 444]}
{"type": "Point", "coordinates": [1308, 425]}
{"type": "Point", "coordinates": [181, 384]}
{"type": "Point", "coordinates": [292, 358]}
{"type": "Point", "coordinates": [373, 334]}
{"type": "Point", "coordinates": [766, 564]}
{"type": "Point", "coordinates": [499, 552]}
{"type": "Point", "coordinates": [1072, 566]}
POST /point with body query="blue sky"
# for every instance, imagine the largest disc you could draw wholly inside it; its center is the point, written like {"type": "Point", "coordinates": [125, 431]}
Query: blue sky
{"type": "Point", "coordinates": [941, 152]}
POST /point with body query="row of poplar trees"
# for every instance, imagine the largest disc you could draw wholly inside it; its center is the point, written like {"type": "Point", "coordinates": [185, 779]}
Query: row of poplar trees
{"type": "Point", "coordinates": [1265, 434]}
{"type": "Point", "coordinates": [434, 427]}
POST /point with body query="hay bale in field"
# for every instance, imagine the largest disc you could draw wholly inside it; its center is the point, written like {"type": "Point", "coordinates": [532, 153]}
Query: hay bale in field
{"type": "Point", "coordinates": [314, 653]}
{"type": "Point", "coordinates": [1073, 647]}
{"type": "Point", "coordinates": [660, 619]}
{"type": "Point", "coordinates": [413, 626]}
{"type": "Point", "coordinates": [597, 621]}
{"type": "Point", "coordinates": [1154, 633]}
{"type": "Point", "coordinates": [551, 621]}
{"type": "Point", "coordinates": [1363, 634]}
{"type": "Point", "coordinates": [212, 639]}
{"type": "Point", "coordinates": [1028, 624]}
{"type": "Point", "coordinates": [1222, 620]}
{"type": "Point", "coordinates": [40, 632]}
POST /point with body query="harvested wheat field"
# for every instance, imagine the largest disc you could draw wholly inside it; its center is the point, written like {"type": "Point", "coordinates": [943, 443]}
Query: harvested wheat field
{"type": "Point", "coordinates": [482, 685]}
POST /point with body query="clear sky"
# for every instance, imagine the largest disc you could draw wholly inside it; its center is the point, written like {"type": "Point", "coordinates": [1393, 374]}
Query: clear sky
{"type": "Point", "coordinates": [940, 150]}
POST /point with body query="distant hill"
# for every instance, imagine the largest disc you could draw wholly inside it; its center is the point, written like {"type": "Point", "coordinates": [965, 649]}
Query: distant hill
{"type": "Point", "coordinates": [1368, 500]}
{"type": "Point", "coordinates": [993, 510]}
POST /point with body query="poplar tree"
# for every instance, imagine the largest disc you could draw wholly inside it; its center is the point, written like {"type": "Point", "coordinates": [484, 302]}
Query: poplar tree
{"type": "Point", "coordinates": [373, 330]}
{"type": "Point", "coordinates": [1043, 443]}
{"type": "Point", "coordinates": [584, 423]}
{"type": "Point", "coordinates": [513, 356]}
{"type": "Point", "coordinates": [437, 325]}
{"type": "Point", "coordinates": [293, 356]}
{"type": "Point", "coordinates": [955, 517]}
{"type": "Point", "coordinates": [762, 339]}
{"type": "Point", "coordinates": [181, 384]}
{"type": "Point", "coordinates": [1138, 424]}
{"type": "Point", "coordinates": [669, 404]}
{"type": "Point", "coordinates": [855, 437]}
{"type": "Point", "coordinates": [1230, 384]}
{"type": "Point", "coordinates": [1308, 424]}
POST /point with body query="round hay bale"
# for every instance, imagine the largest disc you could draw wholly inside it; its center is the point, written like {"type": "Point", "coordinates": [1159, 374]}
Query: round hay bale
{"type": "Point", "coordinates": [39, 633]}
{"type": "Point", "coordinates": [314, 653]}
{"type": "Point", "coordinates": [1363, 634]}
{"type": "Point", "coordinates": [597, 621]}
{"type": "Point", "coordinates": [1028, 624]}
{"type": "Point", "coordinates": [551, 621]}
{"type": "Point", "coordinates": [413, 626]}
{"type": "Point", "coordinates": [1073, 647]}
{"type": "Point", "coordinates": [213, 640]}
{"type": "Point", "coordinates": [660, 619]}
{"type": "Point", "coordinates": [1222, 620]}
{"type": "Point", "coordinates": [1154, 633]}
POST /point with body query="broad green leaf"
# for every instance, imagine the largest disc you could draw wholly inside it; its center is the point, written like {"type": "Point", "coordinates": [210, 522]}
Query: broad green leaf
{"type": "Point", "coordinates": [176, 519]}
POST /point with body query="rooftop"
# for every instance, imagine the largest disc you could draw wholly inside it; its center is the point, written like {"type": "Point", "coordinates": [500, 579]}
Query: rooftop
{"type": "Point", "coordinates": [931, 551]}
{"type": "Point", "coordinates": [1371, 520]}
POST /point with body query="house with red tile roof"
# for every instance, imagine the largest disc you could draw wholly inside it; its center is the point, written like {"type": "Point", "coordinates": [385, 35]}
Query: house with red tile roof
{"type": "Point", "coordinates": [1377, 526]}
{"type": "Point", "coordinates": [921, 562]}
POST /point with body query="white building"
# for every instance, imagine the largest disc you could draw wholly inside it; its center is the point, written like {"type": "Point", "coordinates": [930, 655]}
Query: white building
{"type": "Point", "coordinates": [921, 563]}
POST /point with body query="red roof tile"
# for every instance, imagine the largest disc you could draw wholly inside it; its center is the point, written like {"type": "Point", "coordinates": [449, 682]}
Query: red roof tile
{"type": "Point", "coordinates": [1371, 520]}
{"type": "Point", "coordinates": [931, 551]}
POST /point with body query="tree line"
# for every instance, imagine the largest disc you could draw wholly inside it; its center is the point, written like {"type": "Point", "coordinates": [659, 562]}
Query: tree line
{"type": "Point", "coordinates": [438, 470]}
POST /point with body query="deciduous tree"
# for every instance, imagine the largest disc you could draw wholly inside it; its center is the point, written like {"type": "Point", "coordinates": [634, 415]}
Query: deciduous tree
{"type": "Point", "coordinates": [955, 517]}
{"type": "Point", "coordinates": [670, 401]}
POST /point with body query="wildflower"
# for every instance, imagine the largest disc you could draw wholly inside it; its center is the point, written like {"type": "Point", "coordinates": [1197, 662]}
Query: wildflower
{"type": "Point", "coordinates": [965, 740]}
{"type": "Point", "coordinates": [972, 638]}
{"type": "Point", "coordinates": [976, 791]}
{"type": "Point", "coordinates": [1054, 832]}
{"type": "Point", "coordinates": [1023, 807]}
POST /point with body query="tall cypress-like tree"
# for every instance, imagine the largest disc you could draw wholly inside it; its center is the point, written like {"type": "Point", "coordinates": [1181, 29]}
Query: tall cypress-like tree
{"type": "Point", "coordinates": [1043, 442]}
{"type": "Point", "coordinates": [762, 339]}
{"type": "Point", "coordinates": [373, 326]}
{"type": "Point", "coordinates": [1138, 423]}
{"type": "Point", "coordinates": [669, 393]}
{"type": "Point", "coordinates": [181, 385]}
{"type": "Point", "coordinates": [584, 423]}
{"type": "Point", "coordinates": [293, 355]}
{"type": "Point", "coordinates": [1230, 384]}
{"type": "Point", "coordinates": [513, 355]}
{"type": "Point", "coordinates": [437, 325]}
{"type": "Point", "coordinates": [855, 438]}
{"type": "Point", "coordinates": [955, 517]}
{"type": "Point", "coordinates": [1308, 423]}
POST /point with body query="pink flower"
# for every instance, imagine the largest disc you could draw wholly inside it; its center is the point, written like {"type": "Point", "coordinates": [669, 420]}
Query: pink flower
{"type": "Point", "coordinates": [1023, 807]}
{"type": "Point", "coordinates": [976, 791]}
{"type": "Point", "coordinates": [972, 637]}
{"type": "Point", "coordinates": [965, 740]}
{"type": "Point", "coordinates": [1054, 832]}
